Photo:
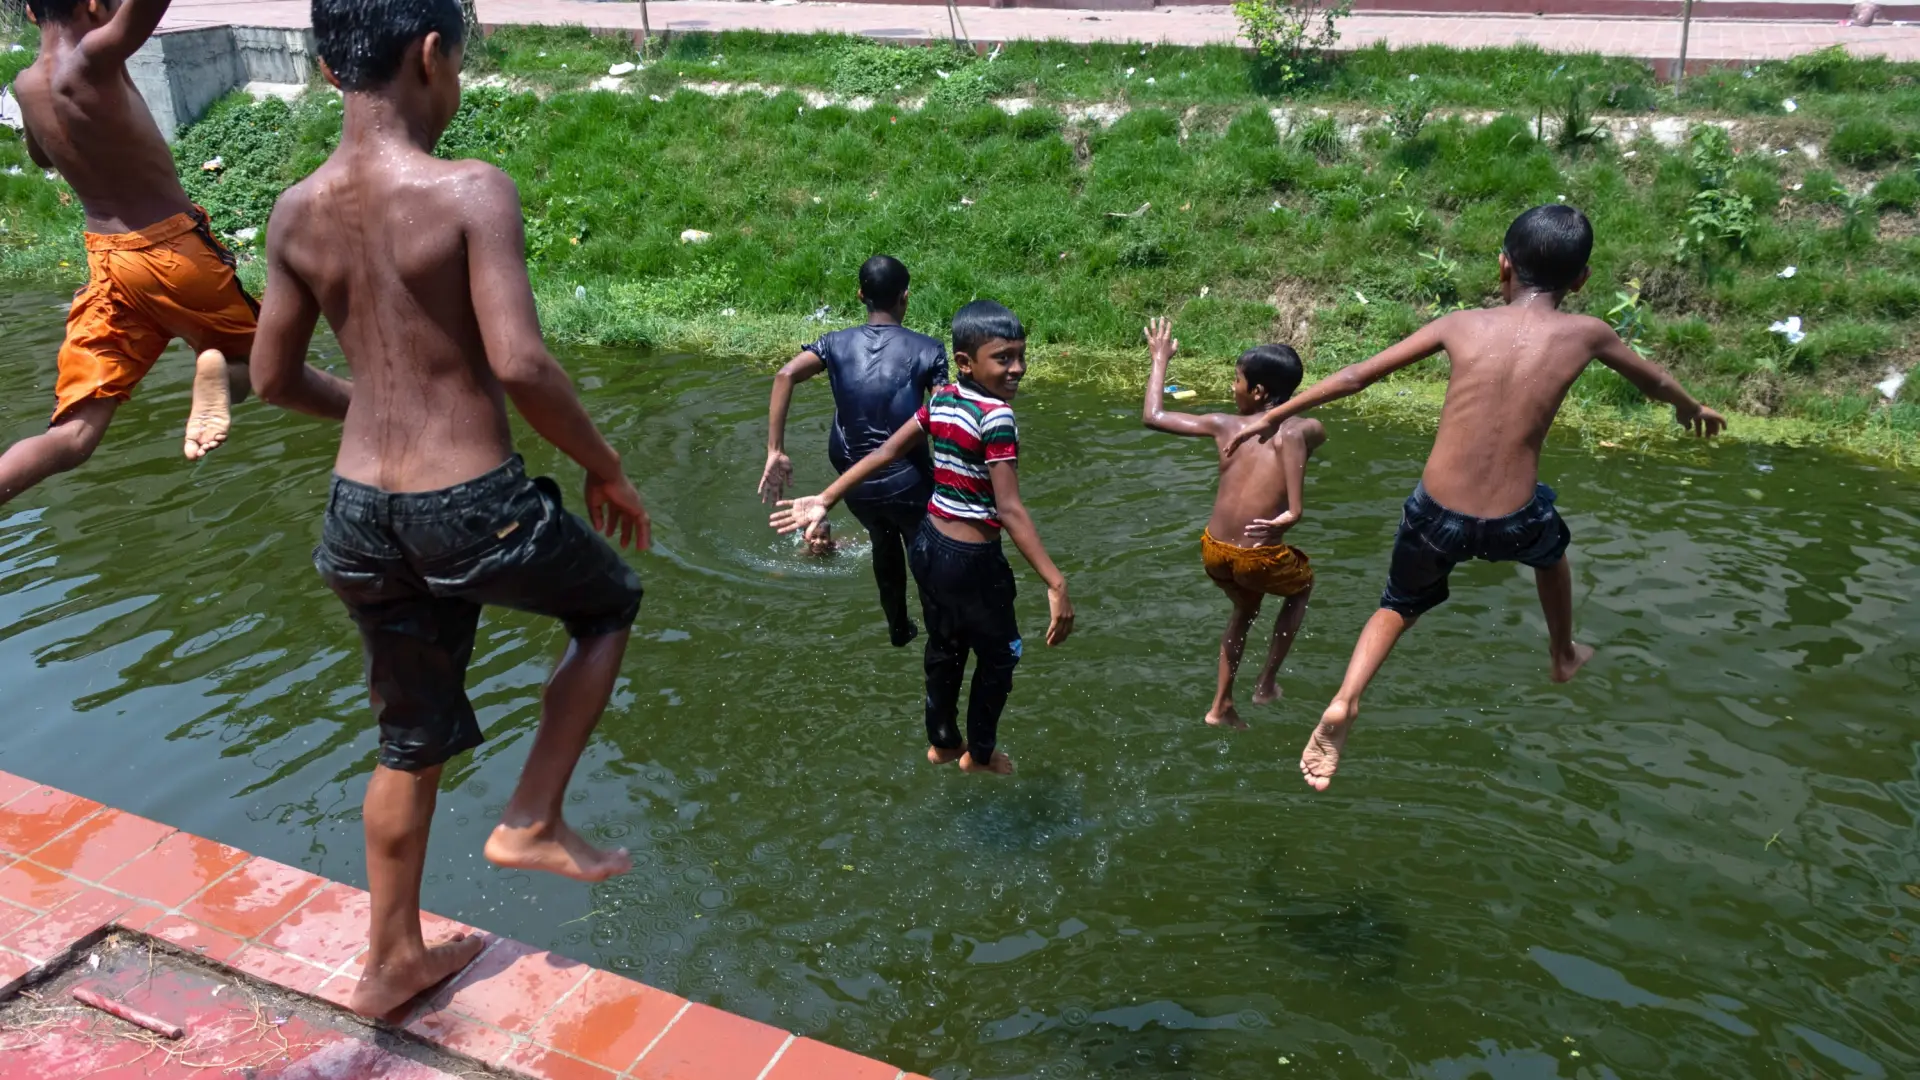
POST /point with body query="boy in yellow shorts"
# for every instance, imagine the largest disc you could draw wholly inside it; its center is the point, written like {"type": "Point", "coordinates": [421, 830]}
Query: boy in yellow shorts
{"type": "Point", "coordinates": [155, 271]}
{"type": "Point", "coordinates": [1259, 500]}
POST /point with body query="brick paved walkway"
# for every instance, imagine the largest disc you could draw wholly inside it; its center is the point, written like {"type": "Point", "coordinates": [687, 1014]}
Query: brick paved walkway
{"type": "Point", "coordinates": [71, 868]}
{"type": "Point", "coordinates": [1646, 39]}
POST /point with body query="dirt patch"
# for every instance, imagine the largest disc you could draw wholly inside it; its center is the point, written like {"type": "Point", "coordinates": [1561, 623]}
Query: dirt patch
{"type": "Point", "coordinates": [1294, 303]}
{"type": "Point", "coordinates": [232, 1025]}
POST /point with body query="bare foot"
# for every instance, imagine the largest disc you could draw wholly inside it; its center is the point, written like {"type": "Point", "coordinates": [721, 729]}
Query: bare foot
{"type": "Point", "coordinates": [1322, 755]}
{"type": "Point", "coordinates": [1000, 765]}
{"type": "Point", "coordinates": [1266, 693]}
{"type": "Point", "coordinates": [940, 756]}
{"type": "Point", "coordinates": [1565, 670]}
{"type": "Point", "coordinates": [556, 851]}
{"type": "Point", "coordinates": [210, 417]}
{"type": "Point", "coordinates": [388, 988]}
{"type": "Point", "coordinates": [1227, 717]}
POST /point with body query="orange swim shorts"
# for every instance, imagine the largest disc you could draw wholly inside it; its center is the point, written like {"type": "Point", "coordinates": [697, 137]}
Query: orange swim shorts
{"type": "Point", "coordinates": [144, 289]}
{"type": "Point", "coordinates": [1276, 570]}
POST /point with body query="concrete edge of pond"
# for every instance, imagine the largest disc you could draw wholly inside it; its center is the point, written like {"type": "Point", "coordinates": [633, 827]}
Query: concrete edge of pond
{"type": "Point", "coordinates": [71, 868]}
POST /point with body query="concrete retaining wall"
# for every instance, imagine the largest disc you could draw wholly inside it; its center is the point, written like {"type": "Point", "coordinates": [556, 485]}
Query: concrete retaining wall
{"type": "Point", "coordinates": [182, 72]}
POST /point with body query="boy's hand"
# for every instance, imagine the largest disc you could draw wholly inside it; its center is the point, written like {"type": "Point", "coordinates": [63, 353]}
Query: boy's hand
{"type": "Point", "coordinates": [613, 505]}
{"type": "Point", "coordinates": [1160, 340]}
{"type": "Point", "coordinates": [1060, 615]}
{"type": "Point", "coordinates": [796, 514]}
{"type": "Point", "coordinates": [1701, 420]}
{"type": "Point", "coordinates": [1259, 429]}
{"type": "Point", "coordinates": [1270, 530]}
{"type": "Point", "coordinates": [775, 477]}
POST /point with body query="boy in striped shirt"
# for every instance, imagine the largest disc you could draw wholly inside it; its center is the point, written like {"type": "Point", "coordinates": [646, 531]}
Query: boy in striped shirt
{"type": "Point", "coordinates": [966, 585]}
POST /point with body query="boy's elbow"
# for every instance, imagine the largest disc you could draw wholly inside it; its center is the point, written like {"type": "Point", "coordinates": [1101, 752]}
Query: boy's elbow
{"type": "Point", "coordinates": [270, 384]}
{"type": "Point", "coordinates": [524, 371]}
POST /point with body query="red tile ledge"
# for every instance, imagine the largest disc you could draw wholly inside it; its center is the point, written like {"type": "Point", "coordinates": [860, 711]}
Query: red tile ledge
{"type": "Point", "coordinates": [70, 867]}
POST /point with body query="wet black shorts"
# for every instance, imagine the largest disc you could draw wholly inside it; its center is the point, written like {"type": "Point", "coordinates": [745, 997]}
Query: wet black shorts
{"type": "Point", "coordinates": [1433, 540]}
{"type": "Point", "coordinates": [415, 569]}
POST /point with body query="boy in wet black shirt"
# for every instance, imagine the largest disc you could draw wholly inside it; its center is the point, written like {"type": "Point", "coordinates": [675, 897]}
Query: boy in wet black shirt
{"type": "Point", "coordinates": [881, 373]}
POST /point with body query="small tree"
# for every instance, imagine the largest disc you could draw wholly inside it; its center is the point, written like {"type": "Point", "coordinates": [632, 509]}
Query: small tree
{"type": "Point", "coordinates": [1291, 34]}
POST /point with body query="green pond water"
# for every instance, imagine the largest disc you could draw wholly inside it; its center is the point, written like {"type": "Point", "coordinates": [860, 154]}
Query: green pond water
{"type": "Point", "coordinates": [1700, 860]}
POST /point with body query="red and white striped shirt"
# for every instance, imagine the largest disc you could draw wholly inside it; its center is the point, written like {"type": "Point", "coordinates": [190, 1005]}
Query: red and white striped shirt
{"type": "Point", "coordinates": [968, 429]}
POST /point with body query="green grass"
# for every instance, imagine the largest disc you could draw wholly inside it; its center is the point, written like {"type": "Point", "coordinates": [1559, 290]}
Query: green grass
{"type": "Point", "coordinates": [1250, 232]}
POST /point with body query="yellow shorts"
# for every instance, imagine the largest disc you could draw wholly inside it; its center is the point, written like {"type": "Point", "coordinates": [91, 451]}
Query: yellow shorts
{"type": "Point", "coordinates": [1276, 570]}
{"type": "Point", "coordinates": [169, 280]}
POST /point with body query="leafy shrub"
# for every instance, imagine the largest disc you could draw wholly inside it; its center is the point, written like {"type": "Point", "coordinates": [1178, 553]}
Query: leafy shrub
{"type": "Point", "coordinates": [1407, 112]}
{"type": "Point", "coordinates": [1718, 225]}
{"type": "Point", "coordinates": [490, 122]}
{"type": "Point", "coordinates": [701, 289]}
{"type": "Point", "coordinates": [1291, 34]}
{"type": "Point", "coordinates": [1437, 281]}
{"type": "Point", "coordinates": [971, 88]}
{"type": "Point", "coordinates": [870, 69]}
{"type": "Point", "coordinates": [259, 146]}
{"type": "Point", "coordinates": [1711, 151]}
{"type": "Point", "coordinates": [1865, 143]}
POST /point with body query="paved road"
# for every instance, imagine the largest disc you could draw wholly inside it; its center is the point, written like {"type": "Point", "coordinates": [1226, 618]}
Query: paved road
{"type": "Point", "coordinates": [1650, 39]}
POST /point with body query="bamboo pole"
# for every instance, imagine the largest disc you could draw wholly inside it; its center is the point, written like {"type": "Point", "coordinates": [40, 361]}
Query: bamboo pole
{"type": "Point", "coordinates": [1686, 31]}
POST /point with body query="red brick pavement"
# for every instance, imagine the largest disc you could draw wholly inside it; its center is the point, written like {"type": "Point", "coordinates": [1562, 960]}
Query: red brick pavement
{"type": "Point", "coordinates": [1649, 39]}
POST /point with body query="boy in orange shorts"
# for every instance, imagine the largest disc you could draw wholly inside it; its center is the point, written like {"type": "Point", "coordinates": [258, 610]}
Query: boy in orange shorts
{"type": "Point", "coordinates": [1259, 500]}
{"type": "Point", "coordinates": [155, 271]}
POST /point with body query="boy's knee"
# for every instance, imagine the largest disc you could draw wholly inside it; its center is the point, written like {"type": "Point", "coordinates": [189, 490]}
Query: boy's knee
{"type": "Point", "coordinates": [73, 446]}
{"type": "Point", "coordinates": [239, 381]}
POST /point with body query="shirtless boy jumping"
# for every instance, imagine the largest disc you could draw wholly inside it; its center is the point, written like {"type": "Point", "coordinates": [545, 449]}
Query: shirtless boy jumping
{"type": "Point", "coordinates": [1260, 499]}
{"type": "Point", "coordinates": [419, 266]}
{"type": "Point", "coordinates": [155, 271]}
{"type": "Point", "coordinates": [1480, 496]}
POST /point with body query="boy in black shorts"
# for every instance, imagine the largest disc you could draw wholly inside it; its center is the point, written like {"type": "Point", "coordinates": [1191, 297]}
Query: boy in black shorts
{"type": "Point", "coordinates": [419, 266]}
{"type": "Point", "coordinates": [966, 586]}
{"type": "Point", "coordinates": [1481, 495]}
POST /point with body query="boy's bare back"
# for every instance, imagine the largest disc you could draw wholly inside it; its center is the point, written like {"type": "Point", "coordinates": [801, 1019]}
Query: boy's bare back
{"type": "Point", "coordinates": [1254, 482]}
{"type": "Point", "coordinates": [1511, 367]}
{"type": "Point", "coordinates": [418, 264]}
{"type": "Point", "coordinates": [85, 119]}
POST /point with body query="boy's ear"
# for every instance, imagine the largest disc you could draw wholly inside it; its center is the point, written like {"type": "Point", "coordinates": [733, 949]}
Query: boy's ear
{"type": "Point", "coordinates": [430, 55]}
{"type": "Point", "coordinates": [1581, 281]}
{"type": "Point", "coordinates": [1506, 268]}
{"type": "Point", "coordinates": [326, 72]}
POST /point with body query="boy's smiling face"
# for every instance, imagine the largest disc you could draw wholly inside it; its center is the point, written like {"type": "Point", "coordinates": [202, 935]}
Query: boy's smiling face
{"type": "Point", "coordinates": [997, 366]}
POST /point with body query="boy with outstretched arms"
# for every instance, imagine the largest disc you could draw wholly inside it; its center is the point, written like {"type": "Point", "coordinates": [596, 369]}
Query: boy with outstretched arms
{"type": "Point", "coordinates": [881, 372]}
{"type": "Point", "coordinates": [1243, 546]}
{"type": "Point", "coordinates": [419, 266]}
{"type": "Point", "coordinates": [1480, 496]}
{"type": "Point", "coordinates": [966, 586]}
{"type": "Point", "coordinates": [155, 271]}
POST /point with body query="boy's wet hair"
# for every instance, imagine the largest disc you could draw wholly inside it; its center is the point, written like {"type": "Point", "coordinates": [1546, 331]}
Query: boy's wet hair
{"type": "Point", "coordinates": [981, 322]}
{"type": "Point", "coordinates": [883, 281]}
{"type": "Point", "coordinates": [1549, 247]}
{"type": "Point", "coordinates": [364, 42]}
{"type": "Point", "coordinates": [1277, 368]}
{"type": "Point", "coordinates": [54, 10]}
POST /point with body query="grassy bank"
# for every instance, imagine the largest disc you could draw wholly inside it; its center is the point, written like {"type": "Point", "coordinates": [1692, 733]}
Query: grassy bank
{"type": "Point", "coordinates": [1339, 232]}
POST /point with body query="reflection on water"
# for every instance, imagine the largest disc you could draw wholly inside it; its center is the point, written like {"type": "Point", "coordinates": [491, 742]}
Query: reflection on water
{"type": "Point", "coordinates": [1700, 859]}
